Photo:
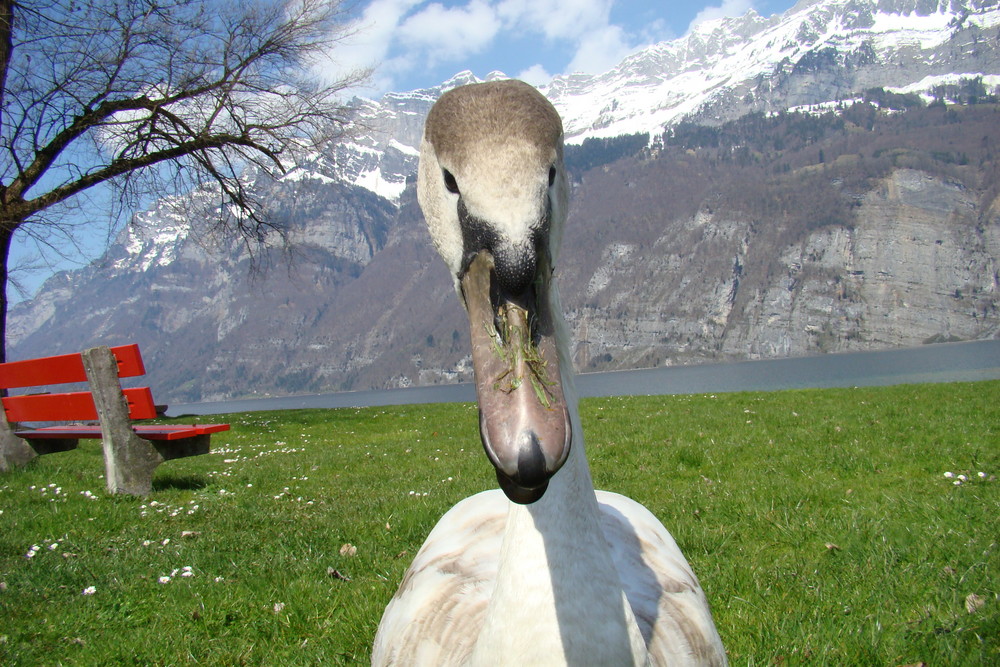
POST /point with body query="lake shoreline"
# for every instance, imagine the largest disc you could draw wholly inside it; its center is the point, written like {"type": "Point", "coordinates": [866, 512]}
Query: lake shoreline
{"type": "Point", "coordinates": [939, 362]}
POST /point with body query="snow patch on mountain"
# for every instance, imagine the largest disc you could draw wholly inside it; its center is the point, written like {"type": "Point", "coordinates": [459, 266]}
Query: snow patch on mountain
{"type": "Point", "coordinates": [931, 82]}
{"type": "Point", "coordinates": [154, 238]}
{"type": "Point", "coordinates": [300, 174]}
{"type": "Point", "coordinates": [374, 181]}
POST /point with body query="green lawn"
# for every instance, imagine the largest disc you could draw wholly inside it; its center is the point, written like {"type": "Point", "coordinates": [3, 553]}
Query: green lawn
{"type": "Point", "coordinates": [821, 524]}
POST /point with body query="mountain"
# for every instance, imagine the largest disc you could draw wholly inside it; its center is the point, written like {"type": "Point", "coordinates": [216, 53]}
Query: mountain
{"type": "Point", "coordinates": [791, 192]}
{"type": "Point", "coordinates": [819, 51]}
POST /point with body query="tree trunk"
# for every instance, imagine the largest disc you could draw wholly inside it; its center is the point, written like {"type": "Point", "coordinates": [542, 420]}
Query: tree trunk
{"type": "Point", "coordinates": [7, 227]}
{"type": "Point", "coordinates": [6, 235]}
{"type": "Point", "coordinates": [6, 46]}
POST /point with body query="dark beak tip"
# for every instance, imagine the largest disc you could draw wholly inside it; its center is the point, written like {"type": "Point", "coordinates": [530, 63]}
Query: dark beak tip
{"type": "Point", "coordinates": [519, 494]}
{"type": "Point", "coordinates": [529, 480]}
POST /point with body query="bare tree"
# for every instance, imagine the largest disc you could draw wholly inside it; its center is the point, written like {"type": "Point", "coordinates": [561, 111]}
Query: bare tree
{"type": "Point", "coordinates": [155, 96]}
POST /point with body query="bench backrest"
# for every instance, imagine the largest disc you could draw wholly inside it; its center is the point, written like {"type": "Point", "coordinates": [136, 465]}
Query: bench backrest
{"type": "Point", "coordinates": [69, 406]}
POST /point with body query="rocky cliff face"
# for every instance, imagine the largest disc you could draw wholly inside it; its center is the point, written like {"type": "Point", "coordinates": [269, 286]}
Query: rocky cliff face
{"type": "Point", "coordinates": [876, 248]}
{"type": "Point", "coordinates": [917, 267]}
{"type": "Point", "coordinates": [914, 266]}
{"type": "Point", "coordinates": [211, 319]}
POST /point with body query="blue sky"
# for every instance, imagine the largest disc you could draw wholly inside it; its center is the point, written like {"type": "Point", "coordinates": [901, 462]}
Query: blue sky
{"type": "Point", "coordinates": [418, 44]}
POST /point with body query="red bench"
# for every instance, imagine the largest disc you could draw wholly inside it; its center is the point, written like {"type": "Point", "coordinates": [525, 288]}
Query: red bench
{"type": "Point", "coordinates": [131, 451]}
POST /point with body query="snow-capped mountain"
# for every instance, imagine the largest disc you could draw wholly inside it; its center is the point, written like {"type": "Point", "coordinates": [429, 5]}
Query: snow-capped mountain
{"type": "Point", "coordinates": [819, 51]}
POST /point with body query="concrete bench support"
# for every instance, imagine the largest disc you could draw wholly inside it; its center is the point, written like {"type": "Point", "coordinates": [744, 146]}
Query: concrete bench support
{"type": "Point", "coordinates": [129, 461]}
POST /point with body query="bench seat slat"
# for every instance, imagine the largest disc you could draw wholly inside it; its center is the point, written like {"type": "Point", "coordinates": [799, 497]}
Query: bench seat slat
{"type": "Point", "coordinates": [147, 431]}
{"type": "Point", "coordinates": [176, 432]}
{"type": "Point", "coordinates": [65, 368]}
{"type": "Point", "coordinates": [76, 405]}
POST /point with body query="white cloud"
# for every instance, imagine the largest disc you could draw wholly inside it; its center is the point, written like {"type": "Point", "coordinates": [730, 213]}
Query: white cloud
{"type": "Point", "coordinates": [536, 75]}
{"type": "Point", "coordinates": [727, 8]}
{"type": "Point", "coordinates": [556, 19]}
{"type": "Point", "coordinates": [599, 50]}
{"type": "Point", "coordinates": [583, 26]}
{"type": "Point", "coordinates": [369, 45]}
{"type": "Point", "coordinates": [448, 34]}
{"type": "Point", "coordinates": [400, 37]}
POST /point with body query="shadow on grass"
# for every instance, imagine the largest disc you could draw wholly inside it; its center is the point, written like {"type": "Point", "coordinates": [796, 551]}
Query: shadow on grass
{"type": "Point", "coordinates": [181, 482]}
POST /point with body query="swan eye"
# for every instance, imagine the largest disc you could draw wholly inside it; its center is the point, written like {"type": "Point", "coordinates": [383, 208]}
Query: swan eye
{"type": "Point", "coordinates": [449, 182]}
{"type": "Point", "coordinates": [552, 176]}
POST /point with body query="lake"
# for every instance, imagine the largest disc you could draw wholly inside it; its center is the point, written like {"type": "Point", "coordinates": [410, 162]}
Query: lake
{"type": "Point", "coordinates": [942, 362]}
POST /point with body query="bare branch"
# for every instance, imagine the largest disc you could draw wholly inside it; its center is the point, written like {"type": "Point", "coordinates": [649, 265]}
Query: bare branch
{"type": "Point", "coordinates": [148, 96]}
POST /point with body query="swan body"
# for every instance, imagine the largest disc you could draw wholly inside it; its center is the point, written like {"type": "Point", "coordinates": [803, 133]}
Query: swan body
{"type": "Point", "coordinates": [546, 570]}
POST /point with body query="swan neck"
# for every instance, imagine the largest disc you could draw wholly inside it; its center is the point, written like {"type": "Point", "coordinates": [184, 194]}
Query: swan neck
{"type": "Point", "coordinates": [558, 593]}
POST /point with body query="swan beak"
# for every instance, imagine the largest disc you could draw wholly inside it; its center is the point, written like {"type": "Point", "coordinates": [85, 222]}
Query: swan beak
{"type": "Point", "coordinates": [523, 418]}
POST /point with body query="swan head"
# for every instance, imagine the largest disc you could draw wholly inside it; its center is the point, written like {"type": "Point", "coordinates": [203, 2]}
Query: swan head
{"type": "Point", "coordinates": [493, 189]}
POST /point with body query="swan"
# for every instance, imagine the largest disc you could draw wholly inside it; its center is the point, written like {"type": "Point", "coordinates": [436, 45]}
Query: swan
{"type": "Point", "coordinates": [543, 570]}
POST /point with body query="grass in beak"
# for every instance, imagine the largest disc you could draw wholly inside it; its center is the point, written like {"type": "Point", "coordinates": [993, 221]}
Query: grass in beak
{"type": "Point", "coordinates": [513, 344]}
